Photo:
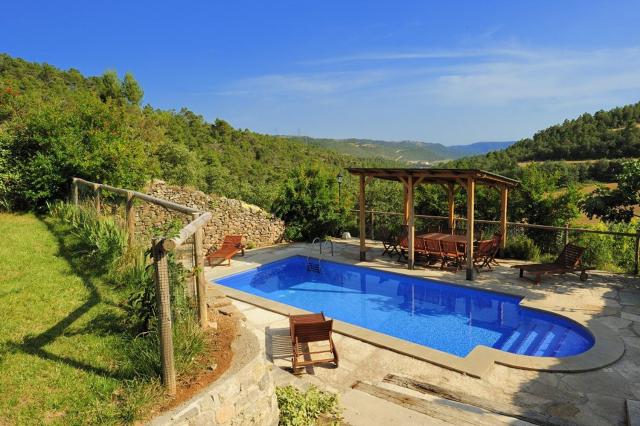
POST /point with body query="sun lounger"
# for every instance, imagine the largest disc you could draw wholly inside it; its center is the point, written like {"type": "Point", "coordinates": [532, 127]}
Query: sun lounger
{"type": "Point", "coordinates": [311, 328]}
{"type": "Point", "coordinates": [570, 260]}
{"type": "Point", "coordinates": [231, 245]}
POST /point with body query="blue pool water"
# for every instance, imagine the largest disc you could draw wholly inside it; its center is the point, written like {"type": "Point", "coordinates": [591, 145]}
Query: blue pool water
{"type": "Point", "coordinates": [446, 317]}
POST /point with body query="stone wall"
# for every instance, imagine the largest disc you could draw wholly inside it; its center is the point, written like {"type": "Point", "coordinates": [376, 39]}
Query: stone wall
{"type": "Point", "coordinates": [244, 395]}
{"type": "Point", "coordinates": [259, 227]}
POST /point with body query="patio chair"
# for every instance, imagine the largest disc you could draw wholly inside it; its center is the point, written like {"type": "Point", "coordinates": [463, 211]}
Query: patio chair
{"type": "Point", "coordinates": [231, 245]}
{"type": "Point", "coordinates": [451, 254]}
{"type": "Point", "coordinates": [311, 328]}
{"type": "Point", "coordinates": [483, 254]}
{"type": "Point", "coordinates": [569, 260]}
{"type": "Point", "coordinates": [434, 250]}
{"type": "Point", "coordinates": [390, 242]}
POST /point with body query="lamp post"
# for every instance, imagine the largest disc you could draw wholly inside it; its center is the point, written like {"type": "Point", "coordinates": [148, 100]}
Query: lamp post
{"type": "Point", "coordinates": [339, 179]}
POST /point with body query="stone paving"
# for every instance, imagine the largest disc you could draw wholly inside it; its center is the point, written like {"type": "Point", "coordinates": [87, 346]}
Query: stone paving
{"type": "Point", "coordinates": [589, 398]}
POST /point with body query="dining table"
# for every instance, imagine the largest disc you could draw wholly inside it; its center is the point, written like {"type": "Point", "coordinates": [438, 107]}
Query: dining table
{"type": "Point", "coordinates": [458, 239]}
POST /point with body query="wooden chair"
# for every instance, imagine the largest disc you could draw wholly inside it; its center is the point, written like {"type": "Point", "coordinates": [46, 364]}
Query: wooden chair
{"type": "Point", "coordinates": [231, 245]}
{"type": "Point", "coordinates": [483, 254]}
{"type": "Point", "coordinates": [311, 328]}
{"type": "Point", "coordinates": [451, 254]}
{"type": "Point", "coordinates": [390, 242]}
{"type": "Point", "coordinates": [569, 260]}
{"type": "Point", "coordinates": [434, 249]}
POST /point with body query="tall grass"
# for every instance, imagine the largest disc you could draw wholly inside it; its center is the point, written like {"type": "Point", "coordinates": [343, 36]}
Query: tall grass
{"type": "Point", "coordinates": [103, 243]}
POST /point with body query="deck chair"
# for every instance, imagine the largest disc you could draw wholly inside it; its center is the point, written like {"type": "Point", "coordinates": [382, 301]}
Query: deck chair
{"type": "Point", "coordinates": [434, 250]}
{"type": "Point", "coordinates": [231, 245]}
{"type": "Point", "coordinates": [311, 328]}
{"type": "Point", "coordinates": [569, 260]}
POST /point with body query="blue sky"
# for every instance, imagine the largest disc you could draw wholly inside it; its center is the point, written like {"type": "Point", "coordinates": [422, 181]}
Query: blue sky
{"type": "Point", "coordinates": [448, 72]}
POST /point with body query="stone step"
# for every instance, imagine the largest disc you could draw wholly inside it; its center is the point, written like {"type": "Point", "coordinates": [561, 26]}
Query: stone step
{"type": "Point", "coordinates": [444, 410]}
{"type": "Point", "coordinates": [219, 302]}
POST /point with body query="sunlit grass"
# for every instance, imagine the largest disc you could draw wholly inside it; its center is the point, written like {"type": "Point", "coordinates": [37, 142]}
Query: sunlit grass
{"type": "Point", "coordinates": [62, 355]}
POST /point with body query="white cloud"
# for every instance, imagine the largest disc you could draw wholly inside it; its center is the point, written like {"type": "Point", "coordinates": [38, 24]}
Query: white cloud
{"type": "Point", "coordinates": [497, 76]}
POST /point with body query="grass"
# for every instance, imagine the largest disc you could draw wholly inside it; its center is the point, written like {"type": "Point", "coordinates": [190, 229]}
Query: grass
{"type": "Point", "coordinates": [63, 352]}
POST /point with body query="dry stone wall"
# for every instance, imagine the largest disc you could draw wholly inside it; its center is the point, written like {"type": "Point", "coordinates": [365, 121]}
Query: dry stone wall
{"type": "Point", "coordinates": [244, 395]}
{"type": "Point", "coordinates": [230, 216]}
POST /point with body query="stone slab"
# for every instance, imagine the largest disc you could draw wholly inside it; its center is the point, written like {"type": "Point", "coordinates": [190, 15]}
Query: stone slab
{"type": "Point", "coordinates": [633, 412]}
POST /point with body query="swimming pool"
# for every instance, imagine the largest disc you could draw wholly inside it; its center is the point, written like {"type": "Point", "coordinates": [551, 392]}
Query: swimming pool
{"type": "Point", "coordinates": [450, 318]}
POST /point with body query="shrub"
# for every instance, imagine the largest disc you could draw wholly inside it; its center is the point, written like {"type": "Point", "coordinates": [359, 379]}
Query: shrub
{"type": "Point", "coordinates": [308, 203]}
{"type": "Point", "coordinates": [522, 247]}
{"type": "Point", "coordinates": [298, 408]}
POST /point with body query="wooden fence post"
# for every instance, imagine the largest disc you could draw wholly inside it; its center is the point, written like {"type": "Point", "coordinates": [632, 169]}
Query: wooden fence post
{"type": "Point", "coordinates": [372, 226]}
{"type": "Point", "coordinates": [74, 192]}
{"type": "Point", "coordinates": [131, 218]}
{"type": "Point", "coordinates": [637, 254]}
{"type": "Point", "coordinates": [96, 197]}
{"type": "Point", "coordinates": [163, 298]}
{"type": "Point", "coordinates": [565, 235]}
{"type": "Point", "coordinates": [201, 284]}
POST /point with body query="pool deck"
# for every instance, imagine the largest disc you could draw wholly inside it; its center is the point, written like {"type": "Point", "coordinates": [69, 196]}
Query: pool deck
{"type": "Point", "coordinates": [608, 304]}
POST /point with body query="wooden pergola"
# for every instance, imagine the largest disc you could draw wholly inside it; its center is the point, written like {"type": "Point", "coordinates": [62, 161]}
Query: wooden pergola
{"type": "Point", "coordinates": [452, 180]}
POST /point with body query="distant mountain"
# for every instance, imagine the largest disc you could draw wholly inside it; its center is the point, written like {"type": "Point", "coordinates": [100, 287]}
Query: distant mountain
{"type": "Point", "coordinates": [479, 148]}
{"type": "Point", "coordinates": [414, 152]}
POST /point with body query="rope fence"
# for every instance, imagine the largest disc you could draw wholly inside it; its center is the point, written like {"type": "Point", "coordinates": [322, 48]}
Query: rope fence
{"type": "Point", "coordinates": [187, 242]}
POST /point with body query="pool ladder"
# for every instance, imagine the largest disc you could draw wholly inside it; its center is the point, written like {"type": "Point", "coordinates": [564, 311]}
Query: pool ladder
{"type": "Point", "coordinates": [315, 267]}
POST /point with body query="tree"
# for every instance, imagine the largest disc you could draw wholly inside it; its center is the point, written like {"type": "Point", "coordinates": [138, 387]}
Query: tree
{"type": "Point", "coordinates": [616, 205]}
{"type": "Point", "coordinates": [131, 89]}
{"type": "Point", "coordinates": [308, 203]}
{"type": "Point", "coordinates": [110, 86]}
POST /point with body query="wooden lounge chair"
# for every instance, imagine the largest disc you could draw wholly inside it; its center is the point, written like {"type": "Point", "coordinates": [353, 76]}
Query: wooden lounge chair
{"type": "Point", "coordinates": [231, 245]}
{"type": "Point", "coordinates": [311, 328]}
{"type": "Point", "coordinates": [570, 260]}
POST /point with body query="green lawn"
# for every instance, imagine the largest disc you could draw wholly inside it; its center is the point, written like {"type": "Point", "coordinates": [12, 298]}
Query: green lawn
{"type": "Point", "coordinates": [62, 358]}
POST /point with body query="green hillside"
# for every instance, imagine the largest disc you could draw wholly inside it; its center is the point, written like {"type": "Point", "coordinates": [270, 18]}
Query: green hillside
{"type": "Point", "coordinates": [605, 134]}
{"type": "Point", "coordinates": [412, 152]}
{"type": "Point", "coordinates": [55, 124]}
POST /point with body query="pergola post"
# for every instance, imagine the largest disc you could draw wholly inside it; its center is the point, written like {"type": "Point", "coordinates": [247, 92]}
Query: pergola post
{"type": "Point", "coordinates": [363, 247]}
{"type": "Point", "coordinates": [405, 204]}
{"type": "Point", "coordinates": [451, 211]}
{"type": "Point", "coordinates": [471, 183]}
{"type": "Point", "coordinates": [411, 223]}
{"type": "Point", "coordinates": [504, 196]}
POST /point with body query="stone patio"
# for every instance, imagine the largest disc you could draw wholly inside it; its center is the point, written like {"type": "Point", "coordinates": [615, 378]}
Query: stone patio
{"type": "Point", "coordinates": [504, 395]}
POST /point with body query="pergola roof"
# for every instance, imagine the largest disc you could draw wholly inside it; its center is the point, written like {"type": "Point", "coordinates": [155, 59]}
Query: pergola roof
{"type": "Point", "coordinates": [436, 175]}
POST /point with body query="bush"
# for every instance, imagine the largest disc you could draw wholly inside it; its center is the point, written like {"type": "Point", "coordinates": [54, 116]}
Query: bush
{"type": "Point", "coordinates": [298, 408]}
{"type": "Point", "coordinates": [308, 203]}
{"type": "Point", "coordinates": [522, 247]}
